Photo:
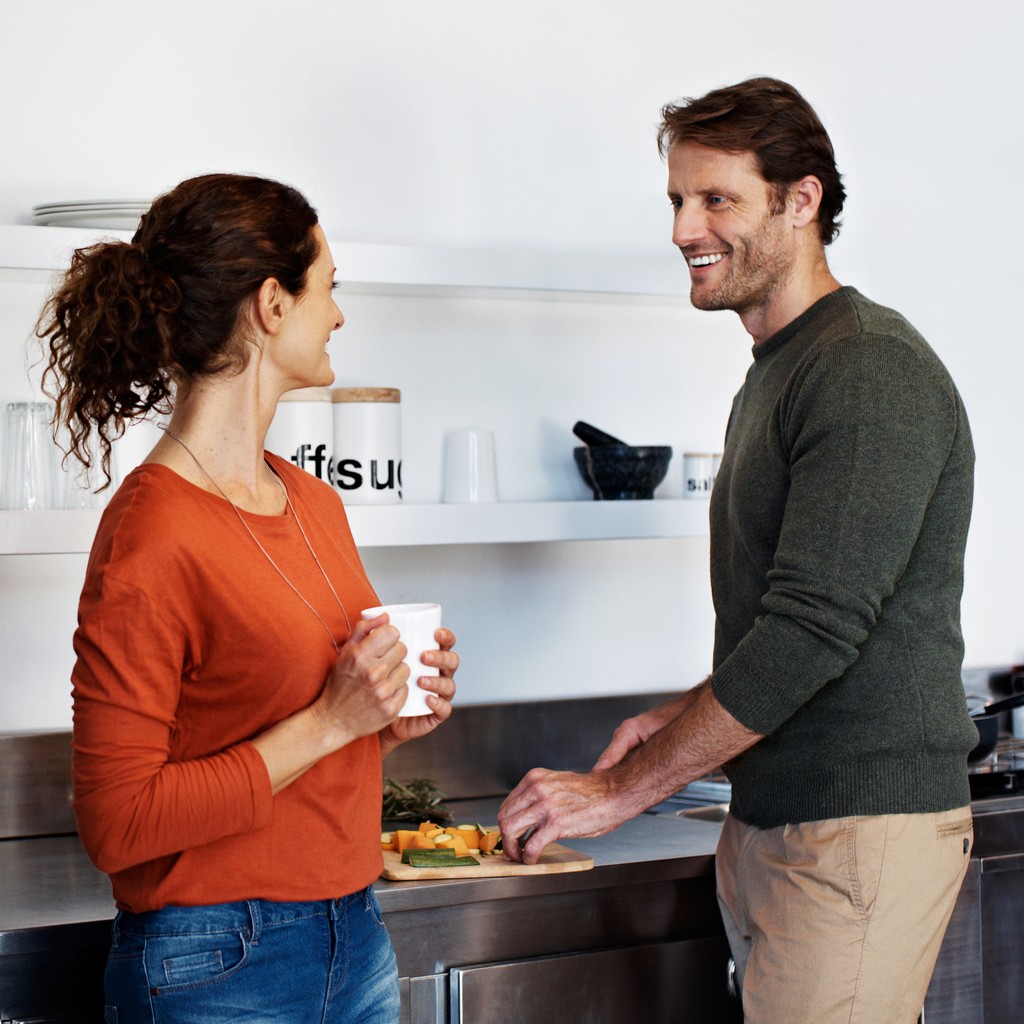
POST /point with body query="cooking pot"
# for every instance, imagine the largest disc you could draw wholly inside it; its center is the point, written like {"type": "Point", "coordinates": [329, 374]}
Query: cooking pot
{"type": "Point", "coordinates": [986, 718]}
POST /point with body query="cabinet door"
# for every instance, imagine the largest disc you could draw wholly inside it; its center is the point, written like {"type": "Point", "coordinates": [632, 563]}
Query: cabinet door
{"type": "Point", "coordinates": [1002, 909]}
{"type": "Point", "coordinates": [955, 994]}
{"type": "Point", "coordinates": [662, 982]}
{"type": "Point", "coordinates": [424, 1000]}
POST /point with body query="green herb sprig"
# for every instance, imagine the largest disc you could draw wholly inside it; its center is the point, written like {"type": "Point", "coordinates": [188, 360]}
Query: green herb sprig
{"type": "Point", "coordinates": [417, 800]}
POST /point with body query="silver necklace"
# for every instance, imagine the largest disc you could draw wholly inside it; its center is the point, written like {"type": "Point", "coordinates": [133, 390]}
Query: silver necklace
{"type": "Point", "coordinates": [266, 554]}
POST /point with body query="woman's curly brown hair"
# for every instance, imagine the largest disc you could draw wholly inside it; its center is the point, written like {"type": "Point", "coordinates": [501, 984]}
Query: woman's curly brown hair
{"type": "Point", "coordinates": [129, 323]}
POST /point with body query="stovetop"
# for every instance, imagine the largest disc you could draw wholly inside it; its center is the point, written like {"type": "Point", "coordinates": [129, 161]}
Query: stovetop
{"type": "Point", "coordinates": [1001, 773]}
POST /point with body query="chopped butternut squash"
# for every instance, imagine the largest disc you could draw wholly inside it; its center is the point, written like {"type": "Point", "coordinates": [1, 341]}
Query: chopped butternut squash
{"type": "Point", "coordinates": [469, 835]}
{"type": "Point", "coordinates": [489, 840]}
{"type": "Point", "coordinates": [403, 837]}
{"type": "Point", "coordinates": [458, 844]}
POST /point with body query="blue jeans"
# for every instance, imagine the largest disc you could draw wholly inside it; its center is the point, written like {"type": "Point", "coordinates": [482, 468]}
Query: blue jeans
{"type": "Point", "coordinates": [257, 962]}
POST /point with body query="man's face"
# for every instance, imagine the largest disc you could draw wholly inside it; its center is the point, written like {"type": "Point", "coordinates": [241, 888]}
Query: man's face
{"type": "Point", "coordinates": [738, 245]}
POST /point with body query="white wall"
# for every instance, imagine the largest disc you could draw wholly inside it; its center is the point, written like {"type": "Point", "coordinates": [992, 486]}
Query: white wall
{"type": "Point", "coordinates": [531, 126]}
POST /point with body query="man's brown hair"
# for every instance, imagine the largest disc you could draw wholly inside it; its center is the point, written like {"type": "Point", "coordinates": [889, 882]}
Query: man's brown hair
{"type": "Point", "coordinates": [773, 121]}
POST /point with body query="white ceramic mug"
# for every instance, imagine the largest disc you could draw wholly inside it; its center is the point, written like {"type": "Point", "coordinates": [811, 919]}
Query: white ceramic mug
{"type": "Point", "coordinates": [697, 474]}
{"type": "Point", "coordinates": [470, 469]}
{"type": "Point", "coordinates": [416, 624]}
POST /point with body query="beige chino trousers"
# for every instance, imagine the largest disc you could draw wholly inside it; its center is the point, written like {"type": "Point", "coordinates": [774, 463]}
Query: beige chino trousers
{"type": "Point", "coordinates": [840, 921]}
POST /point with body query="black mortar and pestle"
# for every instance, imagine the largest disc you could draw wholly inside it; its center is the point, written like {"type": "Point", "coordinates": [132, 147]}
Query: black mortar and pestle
{"type": "Point", "coordinates": [616, 471]}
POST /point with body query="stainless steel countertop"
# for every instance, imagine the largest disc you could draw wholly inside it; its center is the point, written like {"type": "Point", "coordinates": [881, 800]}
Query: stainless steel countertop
{"type": "Point", "coordinates": [50, 891]}
{"type": "Point", "coordinates": [51, 895]}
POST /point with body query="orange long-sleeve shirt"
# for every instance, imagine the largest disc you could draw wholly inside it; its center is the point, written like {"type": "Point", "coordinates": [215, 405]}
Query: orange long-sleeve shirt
{"type": "Point", "coordinates": [189, 644]}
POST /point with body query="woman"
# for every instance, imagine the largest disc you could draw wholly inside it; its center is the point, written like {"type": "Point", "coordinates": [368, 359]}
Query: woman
{"type": "Point", "coordinates": [231, 710]}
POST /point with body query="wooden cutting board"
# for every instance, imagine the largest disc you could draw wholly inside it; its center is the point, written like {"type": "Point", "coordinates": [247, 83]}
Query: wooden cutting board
{"type": "Point", "coordinates": [555, 858]}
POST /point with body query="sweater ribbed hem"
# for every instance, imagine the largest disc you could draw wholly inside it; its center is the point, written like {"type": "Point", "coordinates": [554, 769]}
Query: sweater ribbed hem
{"type": "Point", "coordinates": [915, 784]}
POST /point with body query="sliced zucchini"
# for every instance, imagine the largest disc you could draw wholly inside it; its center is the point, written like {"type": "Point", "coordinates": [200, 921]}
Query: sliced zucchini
{"type": "Point", "coordinates": [417, 860]}
{"type": "Point", "coordinates": [435, 856]}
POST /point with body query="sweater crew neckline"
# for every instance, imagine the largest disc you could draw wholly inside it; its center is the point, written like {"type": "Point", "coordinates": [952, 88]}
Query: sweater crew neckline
{"type": "Point", "coordinates": [781, 336]}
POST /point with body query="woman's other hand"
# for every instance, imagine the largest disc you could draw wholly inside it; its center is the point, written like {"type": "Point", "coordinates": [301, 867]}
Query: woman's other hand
{"type": "Point", "coordinates": [362, 696]}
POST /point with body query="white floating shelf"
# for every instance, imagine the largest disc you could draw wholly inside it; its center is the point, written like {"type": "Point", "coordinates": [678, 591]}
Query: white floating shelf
{"type": "Point", "coordinates": [47, 531]}
{"type": "Point", "coordinates": [525, 522]}
{"type": "Point", "coordinates": [36, 252]}
{"type": "Point", "coordinates": [68, 532]}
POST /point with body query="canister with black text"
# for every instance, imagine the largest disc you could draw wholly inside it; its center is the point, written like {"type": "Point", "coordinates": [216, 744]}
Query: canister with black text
{"type": "Point", "coordinates": [368, 445]}
{"type": "Point", "coordinates": [302, 430]}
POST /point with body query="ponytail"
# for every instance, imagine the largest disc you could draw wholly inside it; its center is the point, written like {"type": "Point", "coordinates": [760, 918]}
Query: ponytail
{"type": "Point", "coordinates": [130, 323]}
{"type": "Point", "coordinates": [109, 328]}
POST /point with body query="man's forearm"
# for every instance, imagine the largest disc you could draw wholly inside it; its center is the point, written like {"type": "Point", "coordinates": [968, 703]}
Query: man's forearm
{"type": "Point", "coordinates": [702, 737]}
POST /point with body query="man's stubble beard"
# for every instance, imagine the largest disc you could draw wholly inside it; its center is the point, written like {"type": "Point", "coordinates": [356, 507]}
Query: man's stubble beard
{"type": "Point", "coordinates": [759, 266]}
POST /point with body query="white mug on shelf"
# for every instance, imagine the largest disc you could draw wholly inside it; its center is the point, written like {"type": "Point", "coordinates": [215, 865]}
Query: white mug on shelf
{"type": "Point", "coordinates": [470, 470]}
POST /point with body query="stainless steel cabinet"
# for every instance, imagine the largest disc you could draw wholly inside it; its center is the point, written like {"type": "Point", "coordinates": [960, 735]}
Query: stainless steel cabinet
{"type": "Point", "coordinates": [659, 982]}
{"type": "Point", "coordinates": [978, 979]}
{"type": "Point", "coordinates": [618, 944]}
{"type": "Point", "coordinates": [60, 985]}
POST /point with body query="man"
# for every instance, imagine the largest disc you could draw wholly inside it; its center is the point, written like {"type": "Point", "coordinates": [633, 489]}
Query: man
{"type": "Point", "coordinates": [838, 525]}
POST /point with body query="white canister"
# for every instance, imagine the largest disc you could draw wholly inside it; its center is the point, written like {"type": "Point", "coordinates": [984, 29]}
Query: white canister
{"type": "Point", "coordinates": [302, 430]}
{"type": "Point", "coordinates": [368, 445]}
{"type": "Point", "coordinates": [697, 474]}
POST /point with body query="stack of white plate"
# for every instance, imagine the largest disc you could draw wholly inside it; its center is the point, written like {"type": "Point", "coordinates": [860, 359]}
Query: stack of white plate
{"type": "Point", "coordinates": [114, 214]}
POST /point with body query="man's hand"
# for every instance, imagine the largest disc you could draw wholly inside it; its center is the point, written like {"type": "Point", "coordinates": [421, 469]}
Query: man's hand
{"type": "Point", "coordinates": [643, 764]}
{"type": "Point", "coordinates": [560, 805]}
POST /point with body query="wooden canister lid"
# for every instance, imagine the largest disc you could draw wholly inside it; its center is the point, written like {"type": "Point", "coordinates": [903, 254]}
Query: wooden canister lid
{"type": "Point", "coordinates": [366, 395]}
{"type": "Point", "coordinates": [306, 395]}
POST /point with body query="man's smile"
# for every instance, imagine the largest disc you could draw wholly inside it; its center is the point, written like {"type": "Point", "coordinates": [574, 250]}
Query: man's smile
{"type": "Point", "coordinates": [705, 259]}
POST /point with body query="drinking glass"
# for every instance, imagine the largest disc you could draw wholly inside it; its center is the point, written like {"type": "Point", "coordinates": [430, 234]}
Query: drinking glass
{"type": "Point", "coordinates": [30, 458]}
{"type": "Point", "coordinates": [471, 471]}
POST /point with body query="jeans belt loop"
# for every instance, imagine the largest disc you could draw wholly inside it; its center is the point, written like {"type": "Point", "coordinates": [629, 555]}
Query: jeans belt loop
{"type": "Point", "coordinates": [256, 921]}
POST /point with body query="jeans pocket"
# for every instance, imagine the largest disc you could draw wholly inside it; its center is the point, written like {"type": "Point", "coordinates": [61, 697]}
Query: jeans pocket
{"type": "Point", "coordinates": [183, 970]}
{"type": "Point", "coordinates": [187, 961]}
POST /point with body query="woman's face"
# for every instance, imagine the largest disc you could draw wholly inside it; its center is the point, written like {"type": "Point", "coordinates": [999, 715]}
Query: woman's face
{"type": "Point", "coordinates": [314, 316]}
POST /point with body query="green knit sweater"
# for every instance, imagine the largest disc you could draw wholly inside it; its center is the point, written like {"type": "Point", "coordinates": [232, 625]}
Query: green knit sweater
{"type": "Point", "coordinates": [838, 524]}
